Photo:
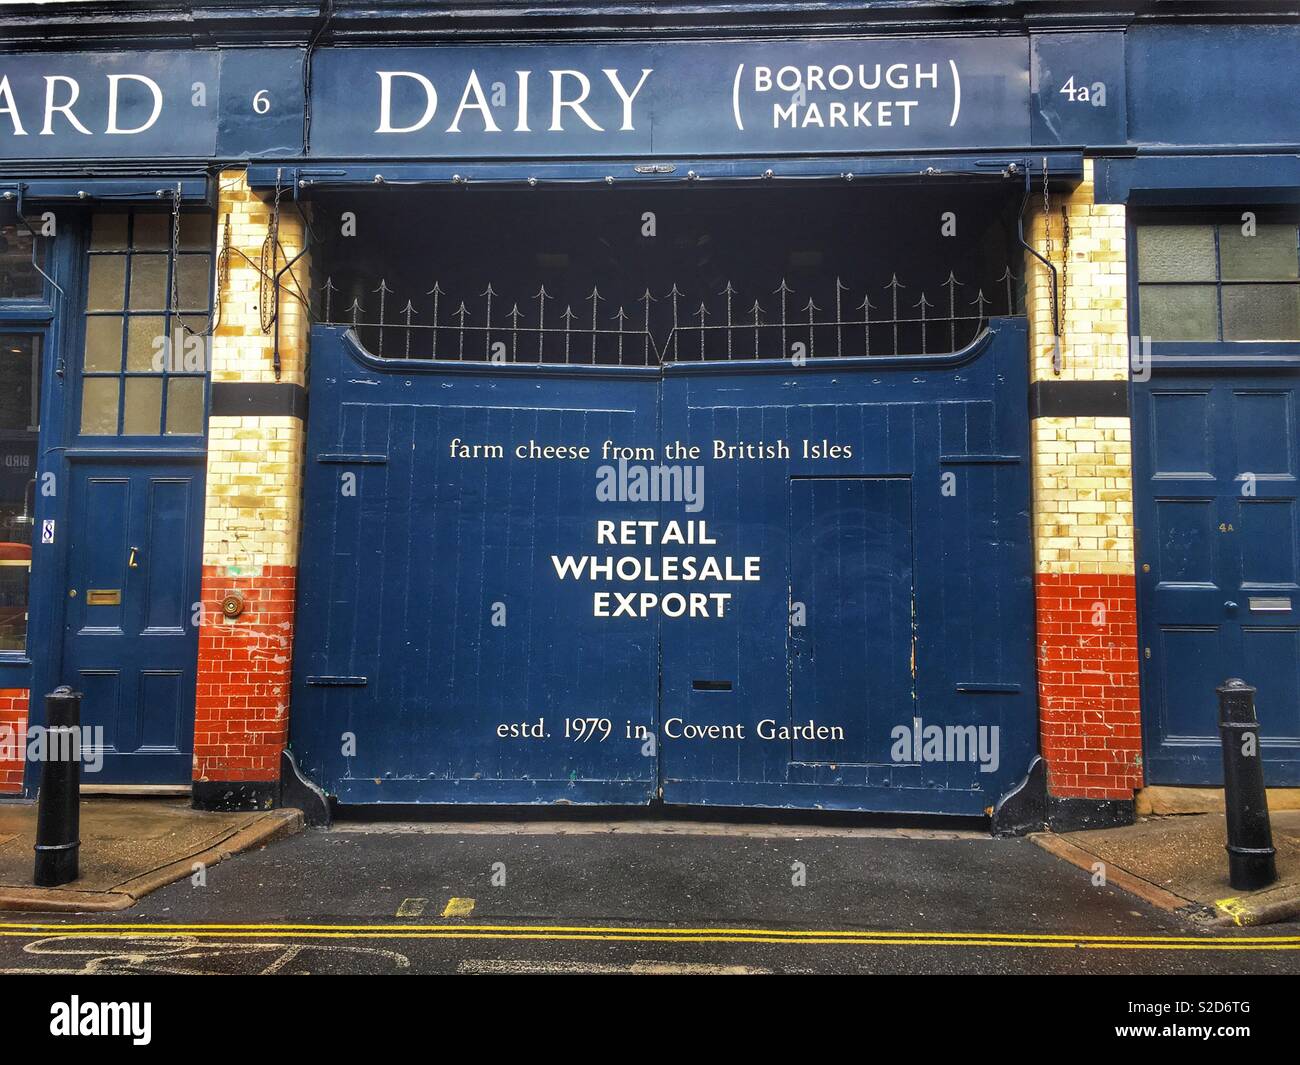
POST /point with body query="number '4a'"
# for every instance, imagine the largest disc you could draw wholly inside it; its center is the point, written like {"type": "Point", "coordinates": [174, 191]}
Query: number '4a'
{"type": "Point", "coordinates": [1079, 94]}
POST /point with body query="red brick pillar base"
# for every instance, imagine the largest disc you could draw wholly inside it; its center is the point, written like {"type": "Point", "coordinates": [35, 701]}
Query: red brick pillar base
{"type": "Point", "coordinates": [241, 721]}
{"type": "Point", "coordinates": [1089, 711]}
{"type": "Point", "coordinates": [13, 739]}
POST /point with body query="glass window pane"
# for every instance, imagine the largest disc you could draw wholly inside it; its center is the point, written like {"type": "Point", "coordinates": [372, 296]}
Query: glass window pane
{"type": "Point", "coordinates": [1261, 312]}
{"type": "Point", "coordinates": [15, 580]}
{"type": "Point", "coordinates": [153, 232]}
{"type": "Point", "coordinates": [148, 282]}
{"type": "Point", "coordinates": [1270, 255]}
{"type": "Point", "coordinates": [103, 343]}
{"type": "Point", "coordinates": [1179, 312]}
{"type": "Point", "coordinates": [18, 277]}
{"type": "Point", "coordinates": [192, 273]}
{"type": "Point", "coordinates": [108, 232]}
{"type": "Point", "coordinates": [99, 406]}
{"type": "Point", "coordinates": [142, 411]}
{"type": "Point", "coordinates": [20, 376]}
{"type": "Point", "coordinates": [196, 232]}
{"type": "Point", "coordinates": [190, 346]}
{"type": "Point", "coordinates": [1175, 253]}
{"type": "Point", "coordinates": [146, 344]}
{"type": "Point", "coordinates": [107, 283]}
{"type": "Point", "coordinates": [19, 388]}
{"type": "Point", "coordinates": [185, 406]}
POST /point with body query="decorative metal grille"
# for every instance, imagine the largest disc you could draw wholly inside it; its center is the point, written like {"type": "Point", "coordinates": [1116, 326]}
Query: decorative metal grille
{"type": "Point", "coordinates": [673, 326]}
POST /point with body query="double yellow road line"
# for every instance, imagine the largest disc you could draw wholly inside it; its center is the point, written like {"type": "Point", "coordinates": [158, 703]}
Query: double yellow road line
{"type": "Point", "coordinates": [652, 934]}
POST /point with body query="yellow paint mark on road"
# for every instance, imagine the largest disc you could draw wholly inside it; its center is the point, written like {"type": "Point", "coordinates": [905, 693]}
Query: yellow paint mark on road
{"type": "Point", "coordinates": [412, 907]}
{"type": "Point", "coordinates": [525, 967]}
{"type": "Point", "coordinates": [1234, 908]}
{"type": "Point", "coordinates": [657, 934]}
{"type": "Point", "coordinates": [458, 907]}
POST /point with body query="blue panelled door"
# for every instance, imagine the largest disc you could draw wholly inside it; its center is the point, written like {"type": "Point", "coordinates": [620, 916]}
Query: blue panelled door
{"type": "Point", "coordinates": [1216, 457]}
{"type": "Point", "coordinates": [130, 641]}
{"type": "Point", "coordinates": [896, 594]}
{"type": "Point", "coordinates": [438, 657]}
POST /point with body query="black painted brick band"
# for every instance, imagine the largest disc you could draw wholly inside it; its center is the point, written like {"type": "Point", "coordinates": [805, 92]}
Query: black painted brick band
{"type": "Point", "coordinates": [1074, 815]}
{"type": "Point", "coordinates": [233, 399]}
{"type": "Point", "coordinates": [1078, 399]}
{"type": "Point", "coordinates": [235, 795]}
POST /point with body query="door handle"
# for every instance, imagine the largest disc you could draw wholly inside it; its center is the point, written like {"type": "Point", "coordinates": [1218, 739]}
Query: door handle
{"type": "Point", "coordinates": [131, 563]}
{"type": "Point", "coordinates": [1230, 607]}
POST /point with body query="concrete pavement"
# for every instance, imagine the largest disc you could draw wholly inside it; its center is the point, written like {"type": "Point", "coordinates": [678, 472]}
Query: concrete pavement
{"type": "Point", "coordinates": [1180, 862]}
{"type": "Point", "coordinates": [129, 847]}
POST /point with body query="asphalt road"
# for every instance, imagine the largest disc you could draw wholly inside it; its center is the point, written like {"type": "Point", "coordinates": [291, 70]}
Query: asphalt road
{"type": "Point", "coordinates": [485, 899]}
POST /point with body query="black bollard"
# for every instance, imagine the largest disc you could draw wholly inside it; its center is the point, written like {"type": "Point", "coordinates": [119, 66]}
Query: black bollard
{"type": "Point", "coordinates": [58, 820]}
{"type": "Point", "coordinates": [1251, 861]}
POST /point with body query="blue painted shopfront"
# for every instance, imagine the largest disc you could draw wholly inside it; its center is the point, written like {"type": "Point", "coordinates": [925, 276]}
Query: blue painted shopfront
{"type": "Point", "coordinates": [920, 600]}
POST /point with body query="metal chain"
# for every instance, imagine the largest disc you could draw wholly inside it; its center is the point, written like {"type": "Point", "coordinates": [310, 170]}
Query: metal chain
{"type": "Point", "coordinates": [173, 297]}
{"type": "Point", "coordinates": [223, 257]}
{"type": "Point", "coordinates": [269, 296]}
{"type": "Point", "coordinates": [1065, 260]}
{"type": "Point", "coordinates": [1057, 357]}
{"type": "Point", "coordinates": [1047, 212]}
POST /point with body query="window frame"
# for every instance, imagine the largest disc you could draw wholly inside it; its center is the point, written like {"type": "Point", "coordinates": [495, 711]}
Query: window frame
{"type": "Point", "coordinates": [43, 303]}
{"type": "Point", "coordinates": [31, 323]}
{"type": "Point", "coordinates": [35, 316]}
{"type": "Point", "coordinates": [161, 439]}
{"type": "Point", "coordinates": [1288, 350]}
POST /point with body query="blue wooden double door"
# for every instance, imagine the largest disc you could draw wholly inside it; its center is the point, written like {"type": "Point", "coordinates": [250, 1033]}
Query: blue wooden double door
{"type": "Point", "coordinates": [1216, 456]}
{"type": "Point", "coordinates": [133, 542]}
{"type": "Point", "coordinates": [779, 618]}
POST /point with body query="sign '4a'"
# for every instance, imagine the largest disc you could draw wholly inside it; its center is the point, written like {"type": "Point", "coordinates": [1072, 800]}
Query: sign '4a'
{"type": "Point", "coordinates": [1094, 94]}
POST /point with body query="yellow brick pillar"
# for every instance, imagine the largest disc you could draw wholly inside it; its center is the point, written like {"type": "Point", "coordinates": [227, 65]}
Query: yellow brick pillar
{"type": "Point", "coordinates": [1089, 707]}
{"type": "Point", "coordinates": [254, 479]}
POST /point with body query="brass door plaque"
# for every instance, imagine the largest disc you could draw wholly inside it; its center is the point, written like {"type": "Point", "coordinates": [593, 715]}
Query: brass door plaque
{"type": "Point", "coordinates": [103, 597]}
